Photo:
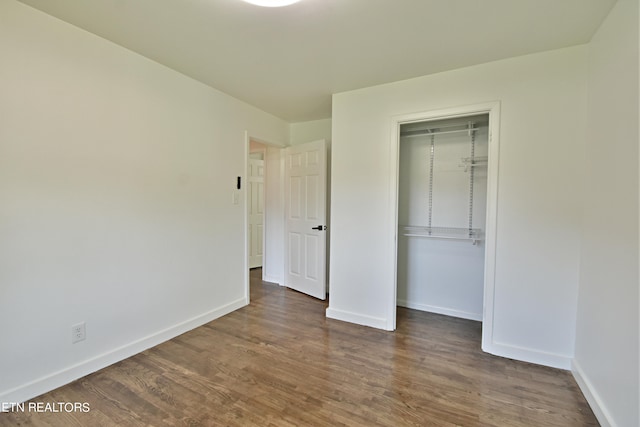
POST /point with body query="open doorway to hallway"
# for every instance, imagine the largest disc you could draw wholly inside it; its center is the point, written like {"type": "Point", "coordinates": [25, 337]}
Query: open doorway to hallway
{"type": "Point", "coordinates": [264, 219]}
{"type": "Point", "coordinates": [255, 203]}
{"type": "Point", "coordinates": [271, 190]}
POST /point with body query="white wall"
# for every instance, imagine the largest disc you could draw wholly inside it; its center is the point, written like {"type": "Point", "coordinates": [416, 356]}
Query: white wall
{"type": "Point", "coordinates": [543, 111]}
{"type": "Point", "coordinates": [606, 362]}
{"type": "Point", "coordinates": [310, 131]}
{"type": "Point", "coordinates": [116, 176]}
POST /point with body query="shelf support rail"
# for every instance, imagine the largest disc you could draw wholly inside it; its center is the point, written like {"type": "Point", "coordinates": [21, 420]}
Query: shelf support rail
{"type": "Point", "coordinates": [431, 159]}
{"type": "Point", "coordinates": [472, 134]}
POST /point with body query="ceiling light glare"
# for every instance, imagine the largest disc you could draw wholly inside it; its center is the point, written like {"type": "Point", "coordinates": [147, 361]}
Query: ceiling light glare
{"type": "Point", "coordinates": [272, 3]}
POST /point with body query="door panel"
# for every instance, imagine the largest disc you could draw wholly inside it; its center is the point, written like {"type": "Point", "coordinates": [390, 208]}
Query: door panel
{"type": "Point", "coordinates": [312, 198]}
{"type": "Point", "coordinates": [295, 197]}
{"type": "Point", "coordinates": [294, 254]}
{"type": "Point", "coordinates": [310, 255]}
{"type": "Point", "coordinates": [305, 208]}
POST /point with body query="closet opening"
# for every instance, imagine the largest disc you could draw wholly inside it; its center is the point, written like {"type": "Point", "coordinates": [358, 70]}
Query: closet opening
{"type": "Point", "coordinates": [445, 228]}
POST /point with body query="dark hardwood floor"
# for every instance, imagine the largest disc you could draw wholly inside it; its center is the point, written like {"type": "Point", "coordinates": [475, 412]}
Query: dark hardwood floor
{"type": "Point", "coordinates": [280, 362]}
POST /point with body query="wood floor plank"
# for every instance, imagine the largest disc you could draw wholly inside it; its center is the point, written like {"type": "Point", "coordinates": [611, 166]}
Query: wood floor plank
{"type": "Point", "coordinates": [281, 362]}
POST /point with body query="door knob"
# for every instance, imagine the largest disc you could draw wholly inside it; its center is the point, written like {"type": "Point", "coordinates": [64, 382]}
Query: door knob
{"type": "Point", "coordinates": [319, 228]}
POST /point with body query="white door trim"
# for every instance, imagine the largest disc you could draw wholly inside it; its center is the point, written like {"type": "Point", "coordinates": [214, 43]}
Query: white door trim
{"type": "Point", "coordinates": [493, 109]}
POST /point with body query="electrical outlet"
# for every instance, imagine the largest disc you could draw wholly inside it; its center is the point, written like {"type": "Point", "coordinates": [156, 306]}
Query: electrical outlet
{"type": "Point", "coordinates": [78, 333]}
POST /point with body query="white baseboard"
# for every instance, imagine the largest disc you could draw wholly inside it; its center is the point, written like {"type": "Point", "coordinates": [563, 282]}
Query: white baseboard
{"type": "Point", "coordinates": [528, 355]}
{"type": "Point", "coordinates": [359, 319]}
{"type": "Point", "coordinates": [273, 279]}
{"type": "Point", "coordinates": [440, 310]}
{"type": "Point", "coordinates": [65, 376]}
{"type": "Point", "coordinates": [593, 398]}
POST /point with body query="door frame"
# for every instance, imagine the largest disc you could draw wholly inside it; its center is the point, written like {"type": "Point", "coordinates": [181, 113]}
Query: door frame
{"type": "Point", "coordinates": [493, 110]}
{"type": "Point", "coordinates": [245, 202]}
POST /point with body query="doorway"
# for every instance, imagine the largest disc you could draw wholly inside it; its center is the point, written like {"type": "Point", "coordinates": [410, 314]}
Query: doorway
{"type": "Point", "coordinates": [445, 169]}
{"type": "Point", "coordinates": [264, 211]}
{"type": "Point", "coordinates": [255, 203]}
{"type": "Point", "coordinates": [293, 202]}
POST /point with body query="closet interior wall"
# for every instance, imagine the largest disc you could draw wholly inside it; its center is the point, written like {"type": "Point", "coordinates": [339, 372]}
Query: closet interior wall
{"type": "Point", "coordinates": [442, 216]}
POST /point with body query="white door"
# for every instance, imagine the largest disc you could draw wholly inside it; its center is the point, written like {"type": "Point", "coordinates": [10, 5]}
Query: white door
{"type": "Point", "coordinates": [305, 209]}
{"type": "Point", "coordinates": [256, 212]}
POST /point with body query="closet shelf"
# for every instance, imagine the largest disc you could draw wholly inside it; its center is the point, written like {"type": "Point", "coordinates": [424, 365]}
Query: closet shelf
{"type": "Point", "coordinates": [468, 127]}
{"type": "Point", "coordinates": [473, 235]}
{"type": "Point", "coordinates": [473, 162]}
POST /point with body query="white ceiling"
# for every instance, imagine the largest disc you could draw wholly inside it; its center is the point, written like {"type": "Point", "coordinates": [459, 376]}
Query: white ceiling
{"type": "Point", "coordinates": [288, 61]}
